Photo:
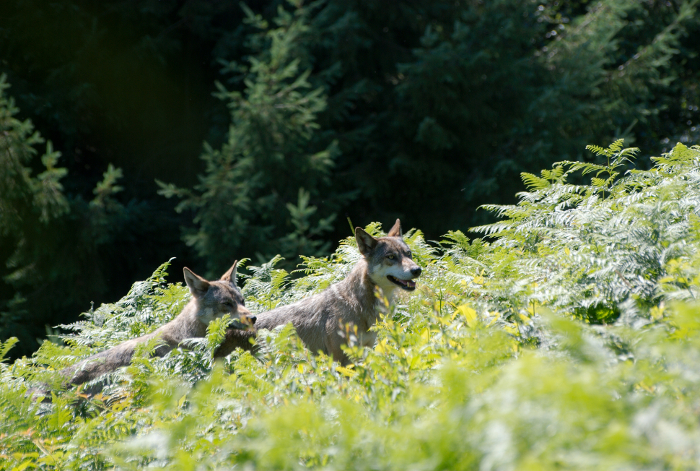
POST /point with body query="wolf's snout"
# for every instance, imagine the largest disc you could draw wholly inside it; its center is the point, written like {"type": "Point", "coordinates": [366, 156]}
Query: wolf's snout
{"type": "Point", "coordinates": [252, 319]}
{"type": "Point", "coordinates": [416, 271]}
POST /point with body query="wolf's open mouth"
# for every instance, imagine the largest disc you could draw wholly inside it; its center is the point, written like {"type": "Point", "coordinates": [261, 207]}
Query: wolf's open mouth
{"type": "Point", "coordinates": [408, 285]}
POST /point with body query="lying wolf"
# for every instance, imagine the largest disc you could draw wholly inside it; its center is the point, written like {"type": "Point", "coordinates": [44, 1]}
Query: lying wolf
{"type": "Point", "coordinates": [210, 300]}
{"type": "Point", "coordinates": [321, 320]}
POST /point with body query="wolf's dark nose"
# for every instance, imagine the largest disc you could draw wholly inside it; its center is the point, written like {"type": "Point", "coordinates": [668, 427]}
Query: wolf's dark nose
{"type": "Point", "coordinates": [253, 319]}
{"type": "Point", "coordinates": [416, 271]}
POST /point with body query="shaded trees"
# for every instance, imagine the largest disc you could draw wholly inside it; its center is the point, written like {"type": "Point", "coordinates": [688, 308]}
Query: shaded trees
{"type": "Point", "coordinates": [50, 239]}
{"type": "Point", "coordinates": [254, 196]}
{"type": "Point", "coordinates": [512, 84]}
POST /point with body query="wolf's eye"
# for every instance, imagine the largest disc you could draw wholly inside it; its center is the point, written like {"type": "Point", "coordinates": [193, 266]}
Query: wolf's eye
{"type": "Point", "coordinates": [391, 256]}
{"type": "Point", "coordinates": [228, 303]}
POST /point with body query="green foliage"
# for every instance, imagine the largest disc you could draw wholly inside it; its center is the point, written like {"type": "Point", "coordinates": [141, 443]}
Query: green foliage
{"type": "Point", "coordinates": [20, 190]}
{"type": "Point", "coordinates": [511, 85]}
{"type": "Point", "coordinates": [600, 251]}
{"type": "Point", "coordinates": [52, 241]}
{"type": "Point", "coordinates": [22, 194]}
{"type": "Point", "coordinates": [570, 341]}
{"type": "Point", "coordinates": [375, 110]}
{"type": "Point", "coordinates": [255, 195]}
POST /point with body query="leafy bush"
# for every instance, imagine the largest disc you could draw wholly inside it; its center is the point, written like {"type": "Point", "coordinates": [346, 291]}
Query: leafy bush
{"type": "Point", "coordinates": [569, 340]}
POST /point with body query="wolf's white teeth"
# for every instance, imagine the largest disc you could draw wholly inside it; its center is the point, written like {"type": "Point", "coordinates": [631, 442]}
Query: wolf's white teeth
{"type": "Point", "coordinates": [406, 284]}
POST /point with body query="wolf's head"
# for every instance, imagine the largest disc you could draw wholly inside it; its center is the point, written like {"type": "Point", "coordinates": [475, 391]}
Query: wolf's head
{"type": "Point", "coordinates": [216, 298]}
{"type": "Point", "coordinates": [389, 261]}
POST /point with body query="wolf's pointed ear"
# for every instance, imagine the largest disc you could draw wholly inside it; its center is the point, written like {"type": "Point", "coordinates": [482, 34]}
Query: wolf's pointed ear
{"type": "Point", "coordinates": [198, 286]}
{"type": "Point", "coordinates": [230, 275]}
{"type": "Point", "coordinates": [396, 230]}
{"type": "Point", "coordinates": [365, 242]}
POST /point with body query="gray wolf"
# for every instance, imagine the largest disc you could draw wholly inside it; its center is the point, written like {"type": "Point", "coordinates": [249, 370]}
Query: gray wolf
{"type": "Point", "coordinates": [323, 320]}
{"type": "Point", "coordinates": [210, 300]}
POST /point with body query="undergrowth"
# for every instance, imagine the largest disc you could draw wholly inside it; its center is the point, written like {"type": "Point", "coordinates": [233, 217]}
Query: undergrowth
{"type": "Point", "coordinates": [569, 339]}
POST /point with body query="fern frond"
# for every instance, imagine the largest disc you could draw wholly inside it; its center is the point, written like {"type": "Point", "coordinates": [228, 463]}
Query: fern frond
{"type": "Point", "coordinates": [584, 167]}
{"type": "Point", "coordinates": [533, 182]}
{"type": "Point", "coordinates": [597, 150]}
{"type": "Point", "coordinates": [6, 346]}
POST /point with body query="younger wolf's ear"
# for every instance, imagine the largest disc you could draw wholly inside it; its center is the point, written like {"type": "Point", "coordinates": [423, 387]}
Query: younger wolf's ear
{"type": "Point", "coordinates": [230, 275]}
{"type": "Point", "coordinates": [198, 285]}
{"type": "Point", "coordinates": [396, 230]}
{"type": "Point", "coordinates": [365, 242]}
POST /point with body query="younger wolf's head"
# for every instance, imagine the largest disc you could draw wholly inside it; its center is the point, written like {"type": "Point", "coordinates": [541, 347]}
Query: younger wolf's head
{"type": "Point", "coordinates": [216, 298]}
{"type": "Point", "coordinates": [389, 261]}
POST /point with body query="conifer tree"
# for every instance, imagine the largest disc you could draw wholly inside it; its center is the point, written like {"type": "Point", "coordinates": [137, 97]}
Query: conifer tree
{"type": "Point", "coordinates": [52, 243]}
{"type": "Point", "coordinates": [260, 191]}
{"type": "Point", "coordinates": [28, 203]}
{"type": "Point", "coordinates": [511, 85]}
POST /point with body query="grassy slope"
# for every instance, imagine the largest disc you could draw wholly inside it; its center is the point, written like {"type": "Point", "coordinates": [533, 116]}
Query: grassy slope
{"type": "Point", "coordinates": [570, 342]}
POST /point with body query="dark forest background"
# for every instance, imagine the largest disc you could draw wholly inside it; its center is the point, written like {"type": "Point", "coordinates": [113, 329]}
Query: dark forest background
{"type": "Point", "coordinates": [132, 132]}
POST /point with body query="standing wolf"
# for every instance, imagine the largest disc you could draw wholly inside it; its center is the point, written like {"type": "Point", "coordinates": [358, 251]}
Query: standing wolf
{"type": "Point", "coordinates": [320, 320]}
{"type": "Point", "coordinates": [210, 300]}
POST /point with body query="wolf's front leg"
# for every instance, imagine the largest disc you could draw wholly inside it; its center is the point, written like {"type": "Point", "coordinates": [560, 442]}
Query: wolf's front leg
{"type": "Point", "coordinates": [338, 334]}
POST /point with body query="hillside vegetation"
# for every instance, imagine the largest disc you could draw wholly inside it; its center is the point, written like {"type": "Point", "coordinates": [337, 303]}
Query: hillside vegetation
{"type": "Point", "coordinates": [569, 338]}
{"type": "Point", "coordinates": [214, 130]}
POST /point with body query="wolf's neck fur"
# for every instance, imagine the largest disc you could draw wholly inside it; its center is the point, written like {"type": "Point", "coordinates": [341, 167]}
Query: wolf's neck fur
{"type": "Point", "coordinates": [360, 292]}
{"type": "Point", "coordinates": [185, 325]}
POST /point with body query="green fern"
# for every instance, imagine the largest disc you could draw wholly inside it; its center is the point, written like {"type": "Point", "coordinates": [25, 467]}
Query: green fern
{"type": "Point", "coordinates": [599, 290]}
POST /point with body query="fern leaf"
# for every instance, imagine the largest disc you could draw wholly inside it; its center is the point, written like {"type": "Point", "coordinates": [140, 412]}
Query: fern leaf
{"type": "Point", "coordinates": [533, 182]}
